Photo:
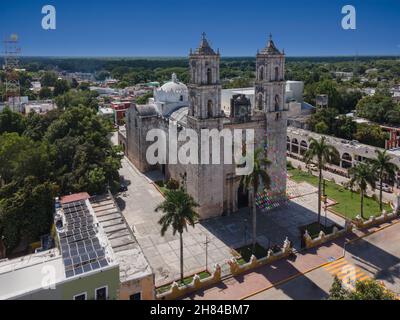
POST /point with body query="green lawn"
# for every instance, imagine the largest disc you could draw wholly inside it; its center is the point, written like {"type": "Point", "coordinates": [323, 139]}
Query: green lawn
{"type": "Point", "coordinates": [186, 281]}
{"type": "Point", "coordinates": [348, 202]}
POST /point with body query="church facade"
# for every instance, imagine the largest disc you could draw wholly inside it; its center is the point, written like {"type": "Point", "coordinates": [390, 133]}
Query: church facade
{"type": "Point", "coordinates": [216, 187]}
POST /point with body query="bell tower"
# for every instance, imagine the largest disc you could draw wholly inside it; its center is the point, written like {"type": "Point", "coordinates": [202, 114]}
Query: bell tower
{"type": "Point", "coordinates": [204, 86]}
{"type": "Point", "coordinates": [205, 180]}
{"type": "Point", "coordinates": [270, 101]}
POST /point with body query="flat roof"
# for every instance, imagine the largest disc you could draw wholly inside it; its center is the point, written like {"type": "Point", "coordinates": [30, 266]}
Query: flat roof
{"type": "Point", "coordinates": [22, 276]}
{"type": "Point", "coordinates": [127, 252]}
{"type": "Point", "coordinates": [83, 243]}
{"type": "Point", "coordinates": [74, 197]}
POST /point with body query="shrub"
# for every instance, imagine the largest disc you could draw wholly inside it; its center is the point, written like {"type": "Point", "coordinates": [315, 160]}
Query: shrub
{"type": "Point", "coordinates": [172, 184]}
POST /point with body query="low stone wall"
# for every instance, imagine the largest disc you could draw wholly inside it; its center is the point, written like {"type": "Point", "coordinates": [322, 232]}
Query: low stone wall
{"type": "Point", "coordinates": [177, 291]}
{"type": "Point", "coordinates": [322, 238]}
{"type": "Point", "coordinates": [360, 223]}
{"type": "Point", "coordinates": [236, 268]}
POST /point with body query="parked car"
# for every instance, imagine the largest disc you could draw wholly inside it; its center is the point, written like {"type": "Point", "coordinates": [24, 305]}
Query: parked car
{"type": "Point", "coordinates": [123, 188]}
{"type": "Point", "coordinates": [313, 167]}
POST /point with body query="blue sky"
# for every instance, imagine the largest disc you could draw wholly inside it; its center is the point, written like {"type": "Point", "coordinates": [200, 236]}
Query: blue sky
{"type": "Point", "coordinates": [170, 28]}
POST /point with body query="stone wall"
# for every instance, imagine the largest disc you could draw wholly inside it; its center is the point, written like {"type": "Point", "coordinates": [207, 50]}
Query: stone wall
{"type": "Point", "coordinates": [237, 269]}
{"type": "Point", "coordinates": [360, 223]}
{"type": "Point", "coordinates": [322, 238]}
{"type": "Point", "coordinates": [177, 291]}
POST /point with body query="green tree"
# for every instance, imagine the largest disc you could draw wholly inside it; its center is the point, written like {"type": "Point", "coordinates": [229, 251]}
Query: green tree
{"type": "Point", "coordinates": [45, 93]}
{"type": "Point", "coordinates": [323, 153]}
{"type": "Point", "coordinates": [337, 292]}
{"type": "Point", "coordinates": [61, 86]}
{"type": "Point", "coordinates": [321, 127]}
{"type": "Point", "coordinates": [81, 146]}
{"type": "Point", "coordinates": [75, 98]}
{"type": "Point", "coordinates": [11, 121]}
{"type": "Point", "coordinates": [364, 290]}
{"type": "Point", "coordinates": [48, 79]}
{"type": "Point", "coordinates": [383, 166]}
{"type": "Point", "coordinates": [379, 108]}
{"type": "Point", "coordinates": [371, 134]}
{"type": "Point", "coordinates": [144, 98]}
{"type": "Point", "coordinates": [179, 212]}
{"type": "Point", "coordinates": [362, 175]}
{"type": "Point", "coordinates": [254, 181]}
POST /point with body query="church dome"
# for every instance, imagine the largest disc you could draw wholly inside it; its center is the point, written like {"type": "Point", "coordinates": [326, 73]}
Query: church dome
{"type": "Point", "coordinates": [172, 91]}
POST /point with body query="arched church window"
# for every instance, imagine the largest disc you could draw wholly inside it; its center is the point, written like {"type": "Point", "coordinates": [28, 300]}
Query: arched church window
{"type": "Point", "coordinates": [261, 73]}
{"type": "Point", "coordinates": [209, 76]}
{"type": "Point", "coordinates": [276, 103]}
{"type": "Point", "coordinates": [209, 108]}
{"type": "Point", "coordinates": [276, 73]}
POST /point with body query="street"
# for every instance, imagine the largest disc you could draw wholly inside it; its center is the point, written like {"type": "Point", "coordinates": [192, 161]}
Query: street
{"type": "Point", "coordinates": [376, 256]}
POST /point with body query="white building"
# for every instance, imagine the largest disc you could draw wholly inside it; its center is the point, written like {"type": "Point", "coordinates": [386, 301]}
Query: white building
{"type": "Point", "coordinates": [39, 106]}
{"type": "Point", "coordinates": [170, 97]}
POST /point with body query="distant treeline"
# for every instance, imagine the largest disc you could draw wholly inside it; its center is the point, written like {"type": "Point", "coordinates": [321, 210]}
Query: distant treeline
{"type": "Point", "coordinates": [95, 64]}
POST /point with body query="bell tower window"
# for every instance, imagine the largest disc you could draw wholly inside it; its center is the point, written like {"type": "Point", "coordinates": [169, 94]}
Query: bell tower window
{"type": "Point", "coordinates": [276, 73]}
{"type": "Point", "coordinates": [276, 103]}
{"type": "Point", "coordinates": [260, 102]}
{"type": "Point", "coordinates": [261, 74]}
{"type": "Point", "coordinates": [209, 109]}
{"type": "Point", "coordinates": [209, 76]}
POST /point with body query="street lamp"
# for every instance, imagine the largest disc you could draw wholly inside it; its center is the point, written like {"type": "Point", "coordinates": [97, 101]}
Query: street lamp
{"type": "Point", "coordinates": [206, 244]}
{"type": "Point", "coordinates": [245, 232]}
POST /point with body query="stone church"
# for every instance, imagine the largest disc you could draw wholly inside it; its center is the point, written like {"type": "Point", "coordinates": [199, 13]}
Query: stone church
{"type": "Point", "coordinates": [216, 187]}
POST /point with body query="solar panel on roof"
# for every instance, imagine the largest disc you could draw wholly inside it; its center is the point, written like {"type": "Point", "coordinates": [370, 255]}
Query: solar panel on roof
{"type": "Point", "coordinates": [78, 270]}
{"type": "Point", "coordinates": [87, 267]}
{"type": "Point", "coordinates": [103, 263]}
{"type": "Point", "coordinates": [95, 265]}
{"type": "Point", "coordinates": [69, 273]}
{"type": "Point", "coordinates": [79, 243]}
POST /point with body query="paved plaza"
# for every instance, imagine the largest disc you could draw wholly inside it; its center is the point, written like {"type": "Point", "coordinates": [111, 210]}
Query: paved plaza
{"type": "Point", "coordinates": [222, 234]}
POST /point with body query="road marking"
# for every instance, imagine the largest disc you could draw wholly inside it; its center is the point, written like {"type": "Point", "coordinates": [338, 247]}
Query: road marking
{"type": "Point", "coordinates": [348, 273]}
{"type": "Point", "coordinates": [335, 265]}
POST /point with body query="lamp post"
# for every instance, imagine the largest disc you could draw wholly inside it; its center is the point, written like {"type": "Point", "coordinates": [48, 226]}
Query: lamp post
{"type": "Point", "coordinates": [325, 203]}
{"type": "Point", "coordinates": [206, 244]}
{"type": "Point", "coordinates": [245, 232]}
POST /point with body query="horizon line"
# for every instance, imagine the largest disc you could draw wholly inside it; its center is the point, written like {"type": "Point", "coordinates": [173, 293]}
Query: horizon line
{"type": "Point", "coordinates": [186, 57]}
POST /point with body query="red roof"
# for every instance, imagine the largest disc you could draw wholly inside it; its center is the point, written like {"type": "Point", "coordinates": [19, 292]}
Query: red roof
{"type": "Point", "coordinates": [74, 197]}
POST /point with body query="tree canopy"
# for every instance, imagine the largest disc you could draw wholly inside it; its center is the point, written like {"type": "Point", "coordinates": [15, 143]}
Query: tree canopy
{"type": "Point", "coordinates": [42, 156]}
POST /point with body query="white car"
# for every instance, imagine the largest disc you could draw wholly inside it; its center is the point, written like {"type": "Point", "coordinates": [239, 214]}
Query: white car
{"type": "Point", "coordinates": [313, 167]}
{"type": "Point", "coordinates": [386, 188]}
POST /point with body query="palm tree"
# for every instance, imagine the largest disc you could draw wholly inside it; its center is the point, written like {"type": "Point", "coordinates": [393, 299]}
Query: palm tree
{"type": "Point", "coordinates": [178, 208]}
{"type": "Point", "coordinates": [323, 153]}
{"type": "Point", "coordinates": [252, 182]}
{"type": "Point", "coordinates": [382, 165]}
{"type": "Point", "coordinates": [362, 175]}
